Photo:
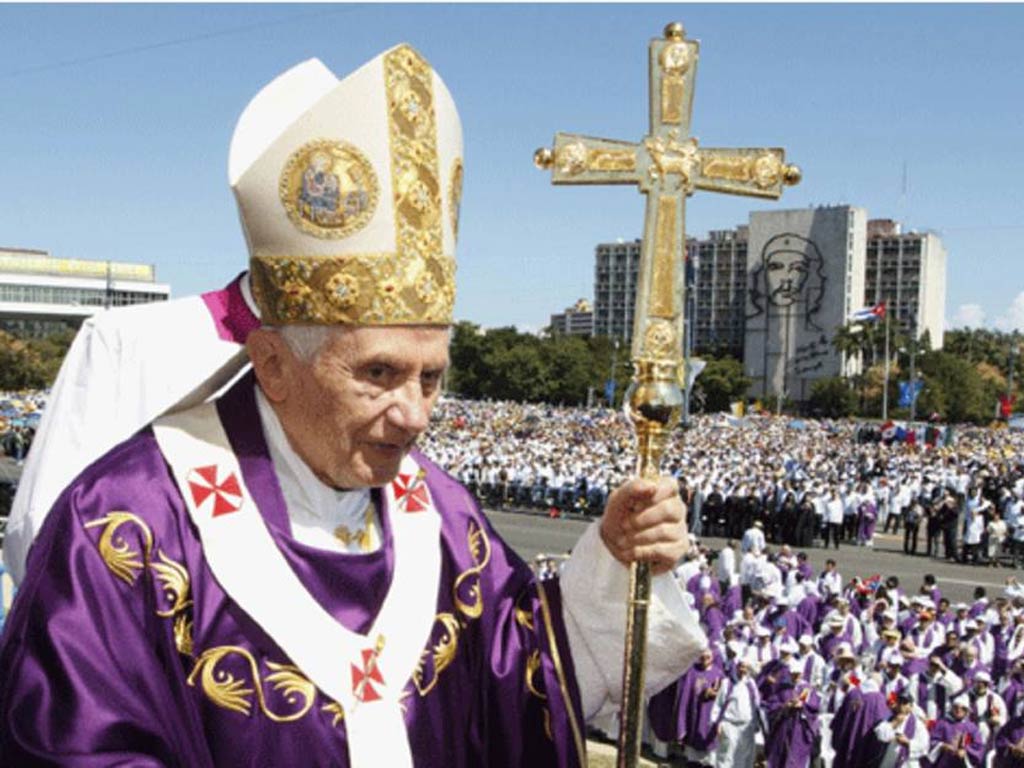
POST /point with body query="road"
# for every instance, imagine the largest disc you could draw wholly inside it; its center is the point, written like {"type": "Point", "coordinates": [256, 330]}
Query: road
{"type": "Point", "coordinates": [533, 534]}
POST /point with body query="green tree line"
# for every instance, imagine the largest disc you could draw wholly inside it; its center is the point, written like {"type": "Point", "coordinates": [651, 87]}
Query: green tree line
{"type": "Point", "coordinates": [504, 364]}
{"type": "Point", "coordinates": [962, 382]}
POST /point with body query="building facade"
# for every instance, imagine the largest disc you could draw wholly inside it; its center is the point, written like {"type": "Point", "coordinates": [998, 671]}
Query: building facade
{"type": "Point", "coordinates": [577, 320]}
{"type": "Point", "coordinates": [718, 291]}
{"type": "Point", "coordinates": [805, 276]}
{"type": "Point", "coordinates": [773, 293]}
{"type": "Point", "coordinates": [615, 279]}
{"type": "Point", "coordinates": [908, 272]}
{"type": "Point", "coordinates": [41, 294]}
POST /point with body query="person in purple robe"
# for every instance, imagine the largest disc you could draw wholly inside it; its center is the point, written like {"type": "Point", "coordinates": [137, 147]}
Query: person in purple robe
{"type": "Point", "coordinates": [681, 714]}
{"type": "Point", "coordinates": [867, 515]}
{"type": "Point", "coordinates": [1013, 690]}
{"type": "Point", "coordinates": [955, 740]}
{"type": "Point", "coordinates": [279, 576]}
{"type": "Point", "coordinates": [1009, 744]}
{"type": "Point", "coordinates": [853, 737]}
{"type": "Point", "coordinates": [793, 730]}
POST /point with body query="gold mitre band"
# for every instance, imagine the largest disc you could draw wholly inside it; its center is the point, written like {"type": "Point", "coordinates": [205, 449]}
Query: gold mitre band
{"type": "Point", "coordinates": [350, 208]}
{"type": "Point", "coordinates": [360, 289]}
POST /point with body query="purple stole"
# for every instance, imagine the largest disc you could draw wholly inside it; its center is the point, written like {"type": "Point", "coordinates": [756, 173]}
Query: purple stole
{"type": "Point", "coordinates": [908, 729]}
{"type": "Point", "coordinates": [755, 700]}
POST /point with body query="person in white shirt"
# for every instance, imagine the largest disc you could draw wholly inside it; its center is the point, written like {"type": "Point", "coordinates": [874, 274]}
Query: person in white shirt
{"type": "Point", "coordinates": [753, 539]}
{"type": "Point", "coordinates": [834, 518]}
{"type": "Point", "coordinates": [830, 582]}
{"type": "Point", "coordinates": [725, 568]}
{"type": "Point", "coordinates": [905, 735]}
{"type": "Point", "coordinates": [988, 709]}
{"type": "Point", "coordinates": [812, 663]}
{"type": "Point", "coordinates": [737, 710]}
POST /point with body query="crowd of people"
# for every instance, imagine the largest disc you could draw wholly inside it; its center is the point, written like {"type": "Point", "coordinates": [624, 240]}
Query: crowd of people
{"type": "Point", "coordinates": [19, 417]}
{"type": "Point", "coordinates": [811, 669]}
{"type": "Point", "coordinates": [808, 482]}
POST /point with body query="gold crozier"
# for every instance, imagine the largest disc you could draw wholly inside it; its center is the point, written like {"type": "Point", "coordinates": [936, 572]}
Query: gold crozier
{"type": "Point", "coordinates": [667, 165]}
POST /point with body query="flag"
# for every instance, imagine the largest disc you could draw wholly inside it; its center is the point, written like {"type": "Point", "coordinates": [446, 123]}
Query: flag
{"type": "Point", "coordinates": [695, 367]}
{"type": "Point", "coordinates": [869, 314]}
{"type": "Point", "coordinates": [1006, 405]}
{"type": "Point", "coordinates": [909, 392]}
{"type": "Point", "coordinates": [609, 390]}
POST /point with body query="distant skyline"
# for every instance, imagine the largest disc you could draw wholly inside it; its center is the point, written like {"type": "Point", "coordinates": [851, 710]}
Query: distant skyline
{"type": "Point", "coordinates": [117, 118]}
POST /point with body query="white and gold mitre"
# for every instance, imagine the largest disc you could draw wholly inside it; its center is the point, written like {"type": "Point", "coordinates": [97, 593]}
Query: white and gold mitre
{"type": "Point", "coordinates": [349, 193]}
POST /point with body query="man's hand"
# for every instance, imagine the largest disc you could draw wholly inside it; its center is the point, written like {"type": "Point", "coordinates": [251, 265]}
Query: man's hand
{"type": "Point", "coordinates": [645, 521]}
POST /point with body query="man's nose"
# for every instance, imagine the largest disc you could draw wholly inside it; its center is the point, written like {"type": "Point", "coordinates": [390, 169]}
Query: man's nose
{"type": "Point", "coordinates": [411, 409]}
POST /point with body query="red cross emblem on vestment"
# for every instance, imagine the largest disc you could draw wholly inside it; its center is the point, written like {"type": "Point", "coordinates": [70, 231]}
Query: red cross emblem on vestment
{"type": "Point", "coordinates": [411, 492]}
{"type": "Point", "coordinates": [226, 494]}
{"type": "Point", "coordinates": [364, 677]}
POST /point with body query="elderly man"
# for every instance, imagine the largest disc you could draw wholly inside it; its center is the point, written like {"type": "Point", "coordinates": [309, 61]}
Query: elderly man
{"type": "Point", "coordinates": [279, 572]}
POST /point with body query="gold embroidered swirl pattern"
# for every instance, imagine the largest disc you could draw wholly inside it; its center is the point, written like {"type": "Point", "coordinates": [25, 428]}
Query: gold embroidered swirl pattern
{"type": "Point", "coordinates": [478, 541]}
{"type": "Point", "coordinates": [532, 665]}
{"type": "Point", "coordinates": [229, 692]}
{"type": "Point", "coordinates": [175, 581]}
{"type": "Point", "coordinates": [442, 654]}
{"type": "Point", "coordinates": [123, 560]}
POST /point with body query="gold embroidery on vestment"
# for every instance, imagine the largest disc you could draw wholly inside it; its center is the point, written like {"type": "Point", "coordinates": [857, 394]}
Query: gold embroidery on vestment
{"type": "Point", "coordinates": [442, 654]}
{"type": "Point", "coordinates": [123, 560]}
{"type": "Point", "coordinates": [229, 692]}
{"type": "Point", "coordinates": [478, 541]}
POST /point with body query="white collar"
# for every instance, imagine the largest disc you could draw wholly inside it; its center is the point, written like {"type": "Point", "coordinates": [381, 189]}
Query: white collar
{"type": "Point", "coordinates": [314, 508]}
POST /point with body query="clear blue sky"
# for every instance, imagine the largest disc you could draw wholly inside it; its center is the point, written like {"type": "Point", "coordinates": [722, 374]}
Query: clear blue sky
{"type": "Point", "coordinates": [116, 121]}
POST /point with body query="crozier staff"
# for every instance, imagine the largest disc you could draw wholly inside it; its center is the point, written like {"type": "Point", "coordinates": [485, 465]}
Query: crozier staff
{"type": "Point", "coordinates": [280, 569]}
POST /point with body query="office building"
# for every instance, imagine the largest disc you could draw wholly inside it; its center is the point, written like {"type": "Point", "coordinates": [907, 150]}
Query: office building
{"type": "Point", "coordinates": [577, 320]}
{"type": "Point", "coordinates": [41, 294]}
{"type": "Point", "coordinates": [908, 272]}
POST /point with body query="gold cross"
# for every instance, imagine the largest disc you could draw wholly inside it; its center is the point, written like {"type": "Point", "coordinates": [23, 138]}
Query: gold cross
{"type": "Point", "coordinates": [668, 166]}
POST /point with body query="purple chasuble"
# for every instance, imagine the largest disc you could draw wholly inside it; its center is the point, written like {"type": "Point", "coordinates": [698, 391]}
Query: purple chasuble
{"type": "Point", "coordinates": [122, 648]}
{"type": "Point", "coordinates": [792, 732]}
{"type": "Point", "coordinates": [682, 712]}
{"type": "Point", "coordinates": [1009, 736]}
{"type": "Point", "coordinates": [957, 732]}
{"type": "Point", "coordinates": [853, 730]}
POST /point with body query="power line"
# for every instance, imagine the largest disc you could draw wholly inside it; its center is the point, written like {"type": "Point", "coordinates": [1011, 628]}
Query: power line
{"type": "Point", "coordinates": [130, 51]}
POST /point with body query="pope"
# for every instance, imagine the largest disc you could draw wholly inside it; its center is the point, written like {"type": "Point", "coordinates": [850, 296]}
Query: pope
{"type": "Point", "coordinates": [279, 572]}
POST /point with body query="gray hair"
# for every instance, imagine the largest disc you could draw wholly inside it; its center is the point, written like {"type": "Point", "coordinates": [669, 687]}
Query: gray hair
{"type": "Point", "coordinates": [305, 341]}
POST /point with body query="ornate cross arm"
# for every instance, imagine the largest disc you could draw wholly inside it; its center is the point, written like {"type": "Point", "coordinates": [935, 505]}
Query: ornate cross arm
{"type": "Point", "coordinates": [751, 172]}
{"type": "Point", "coordinates": [579, 159]}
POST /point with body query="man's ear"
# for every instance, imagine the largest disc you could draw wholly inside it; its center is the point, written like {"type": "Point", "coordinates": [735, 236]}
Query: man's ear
{"type": "Point", "coordinates": [273, 363]}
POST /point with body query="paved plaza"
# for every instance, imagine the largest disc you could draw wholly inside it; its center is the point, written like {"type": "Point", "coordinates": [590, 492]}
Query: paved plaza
{"type": "Point", "coordinates": [534, 534]}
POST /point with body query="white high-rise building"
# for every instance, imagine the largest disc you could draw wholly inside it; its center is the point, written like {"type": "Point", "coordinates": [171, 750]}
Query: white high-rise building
{"type": "Point", "coordinates": [907, 270]}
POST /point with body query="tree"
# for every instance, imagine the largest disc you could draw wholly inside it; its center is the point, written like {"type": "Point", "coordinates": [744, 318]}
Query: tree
{"type": "Point", "coordinates": [721, 383]}
{"type": "Point", "coordinates": [21, 366]}
{"type": "Point", "coordinates": [832, 398]}
{"type": "Point", "coordinates": [954, 389]}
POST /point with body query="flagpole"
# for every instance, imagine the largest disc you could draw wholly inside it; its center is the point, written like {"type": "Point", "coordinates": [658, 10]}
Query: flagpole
{"type": "Point", "coordinates": [913, 384]}
{"type": "Point", "coordinates": [885, 388]}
